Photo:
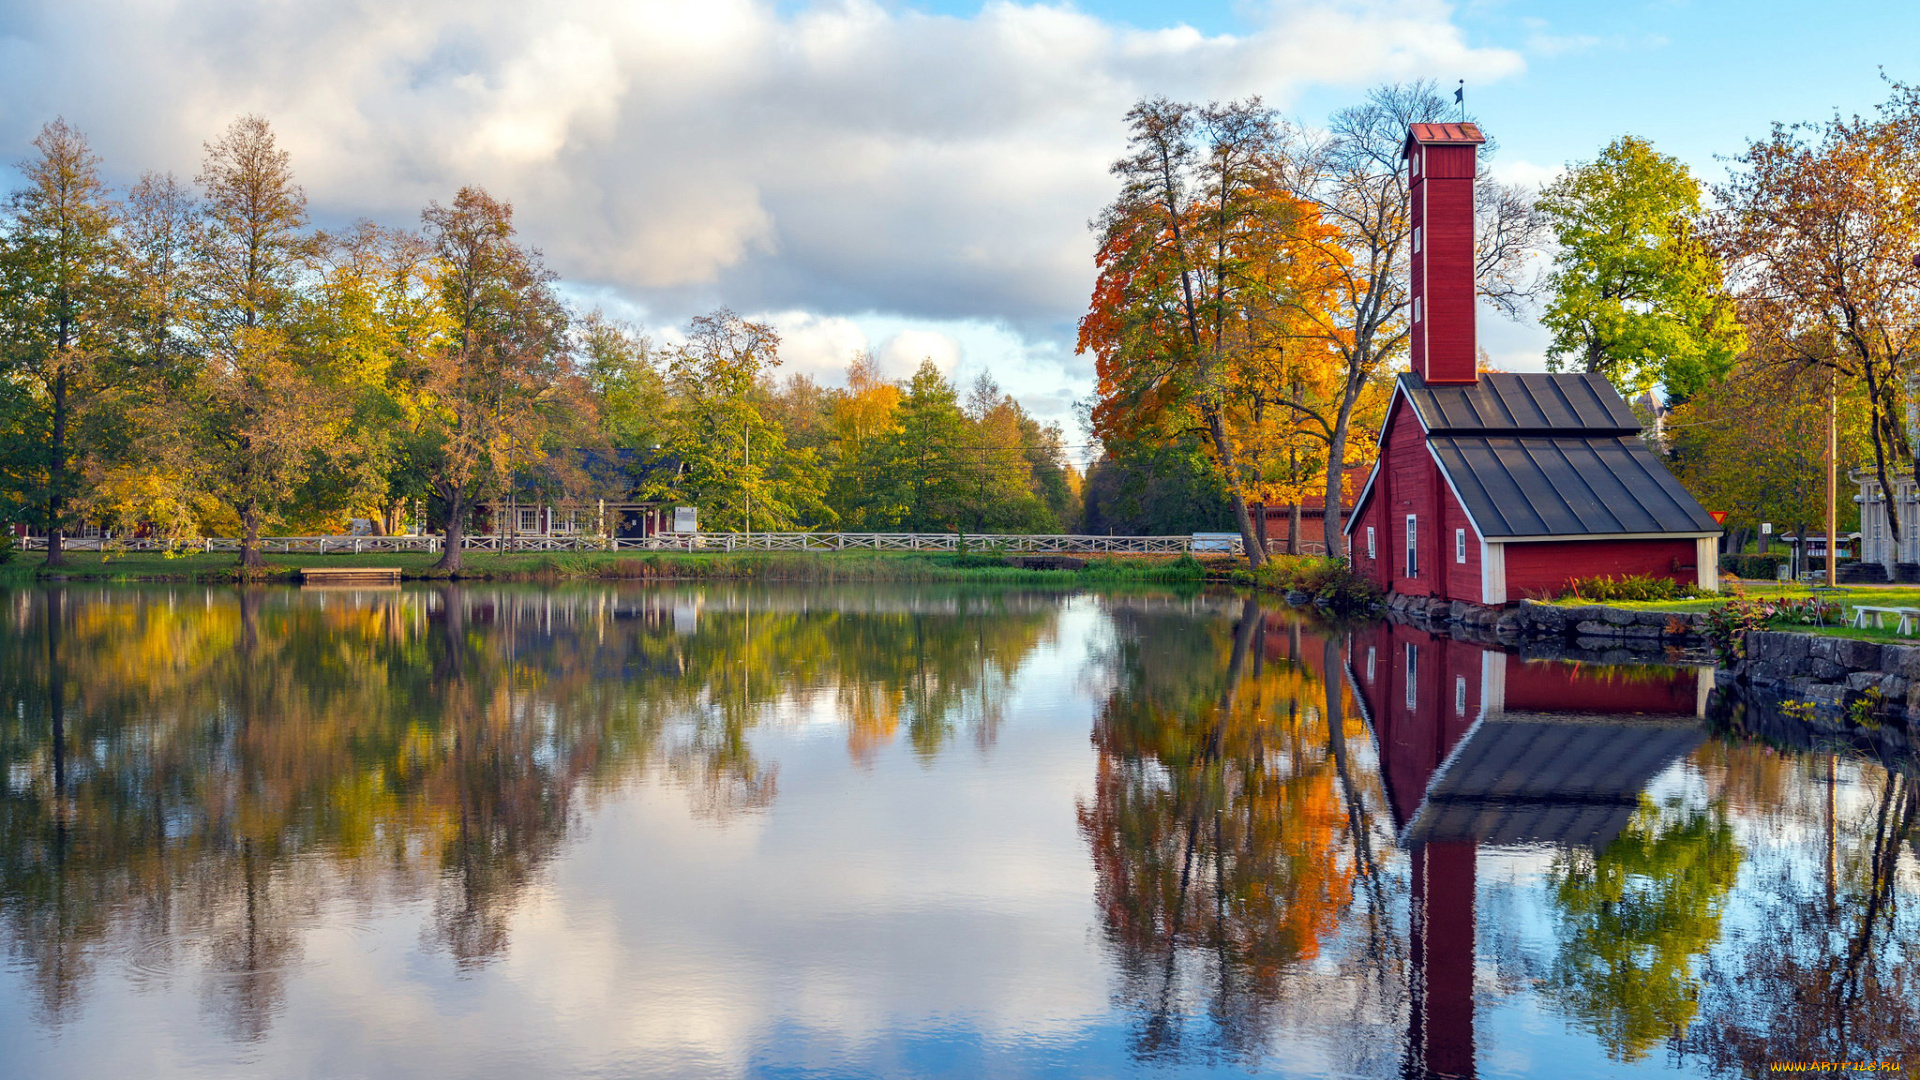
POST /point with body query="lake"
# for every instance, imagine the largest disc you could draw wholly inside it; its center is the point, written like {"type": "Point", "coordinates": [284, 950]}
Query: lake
{"type": "Point", "coordinates": [732, 831]}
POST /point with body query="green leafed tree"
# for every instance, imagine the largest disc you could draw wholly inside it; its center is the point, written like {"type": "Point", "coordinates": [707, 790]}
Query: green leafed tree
{"type": "Point", "coordinates": [730, 459]}
{"type": "Point", "coordinates": [917, 476]}
{"type": "Point", "coordinates": [1637, 295]}
{"type": "Point", "coordinates": [60, 292]}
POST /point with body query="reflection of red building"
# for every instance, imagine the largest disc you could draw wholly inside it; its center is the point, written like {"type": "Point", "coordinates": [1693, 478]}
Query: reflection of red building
{"type": "Point", "coordinates": [1480, 747]}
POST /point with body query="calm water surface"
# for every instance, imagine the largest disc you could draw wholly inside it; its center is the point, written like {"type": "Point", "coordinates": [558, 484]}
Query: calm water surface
{"type": "Point", "coordinates": [722, 832]}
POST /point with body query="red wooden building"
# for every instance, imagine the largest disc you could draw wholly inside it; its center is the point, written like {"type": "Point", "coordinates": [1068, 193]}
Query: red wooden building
{"type": "Point", "coordinates": [1494, 487]}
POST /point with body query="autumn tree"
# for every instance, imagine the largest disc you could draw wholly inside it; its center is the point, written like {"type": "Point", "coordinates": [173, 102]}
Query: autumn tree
{"type": "Point", "coordinates": [256, 412]}
{"type": "Point", "coordinates": [61, 291]}
{"type": "Point", "coordinates": [500, 373]}
{"type": "Point", "coordinates": [135, 475]}
{"type": "Point", "coordinates": [1172, 272]}
{"type": "Point", "coordinates": [1637, 294]}
{"type": "Point", "coordinates": [1822, 229]}
{"type": "Point", "coordinates": [1753, 444]}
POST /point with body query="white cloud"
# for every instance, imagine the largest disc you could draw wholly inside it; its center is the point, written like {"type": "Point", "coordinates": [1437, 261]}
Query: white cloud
{"type": "Point", "coordinates": [901, 354]}
{"type": "Point", "coordinates": [843, 159]}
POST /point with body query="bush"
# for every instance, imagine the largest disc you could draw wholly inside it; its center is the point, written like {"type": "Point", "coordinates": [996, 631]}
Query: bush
{"type": "Point", "coordinates": [1753, 567]}
{"type": "Point", "coordinates": [6, 546]}
{"type": "Point", "coordinates": [1630, 587]}
{"type": "Point", "coordinates": [1331, 582]}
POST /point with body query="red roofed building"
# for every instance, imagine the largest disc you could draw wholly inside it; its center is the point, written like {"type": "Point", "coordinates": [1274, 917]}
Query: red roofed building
{"type": "Point", "coordinates": [1494, 487]}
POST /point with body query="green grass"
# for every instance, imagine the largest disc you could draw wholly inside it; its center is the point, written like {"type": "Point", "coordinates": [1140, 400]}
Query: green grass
{"type": "Point", "coordinates": [759, 566]}
{"type": "Point", "coordinates": [1873, 596]}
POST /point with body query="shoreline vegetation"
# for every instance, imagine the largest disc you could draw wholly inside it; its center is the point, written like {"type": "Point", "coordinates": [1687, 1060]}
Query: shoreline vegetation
{"type": "Point", "coordinates": [822, 567]}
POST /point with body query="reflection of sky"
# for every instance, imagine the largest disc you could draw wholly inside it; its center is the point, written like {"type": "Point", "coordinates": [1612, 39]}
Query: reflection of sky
{"type": "Point", "coordinates": [904, 916]}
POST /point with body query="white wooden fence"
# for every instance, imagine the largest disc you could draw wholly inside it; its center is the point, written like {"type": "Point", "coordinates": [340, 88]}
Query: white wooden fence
{"type": "Point", "coordinates": [1012, 543]}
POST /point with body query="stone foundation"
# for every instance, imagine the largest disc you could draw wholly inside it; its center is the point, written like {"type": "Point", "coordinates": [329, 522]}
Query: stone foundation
{"type": "Point", "coordinates": [1592, 627]}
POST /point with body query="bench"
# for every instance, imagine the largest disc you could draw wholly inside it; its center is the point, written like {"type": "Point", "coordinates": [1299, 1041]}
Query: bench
{"type": "Point", "coordinates": [1907, 616]}
{"type": "Point", "coordinates": [357, 576]}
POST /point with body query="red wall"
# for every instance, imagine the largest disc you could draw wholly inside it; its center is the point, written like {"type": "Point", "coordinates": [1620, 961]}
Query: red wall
{"type": "Point", "coordinates": [1543, 569]}
{"type": "Point", "coordinates": [1409, 482]}
{"type": "Point", "coordinates": [1413, 742]}
{"type": "Point", "coordinates": [1564, 686]}
{"type": "Point", "coordinates": [1442, 195]}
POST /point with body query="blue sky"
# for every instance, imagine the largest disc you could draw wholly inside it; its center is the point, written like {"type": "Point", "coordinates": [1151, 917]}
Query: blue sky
{"type": "Point", "coordinates": [910, 178]}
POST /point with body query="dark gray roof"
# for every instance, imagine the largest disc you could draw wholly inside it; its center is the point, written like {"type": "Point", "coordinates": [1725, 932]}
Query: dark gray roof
{"type": "Point", "coordinates": [1533, 778]}
{"type": "Point", "coordinates": [1562, 404]}
{"type": "Point", "coordinates": [1567, 485]}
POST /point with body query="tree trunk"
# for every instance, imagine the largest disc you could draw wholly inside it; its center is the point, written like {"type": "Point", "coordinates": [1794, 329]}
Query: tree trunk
{"type": "Point", "coordinates": [250, 543]}
{"type": "Point", "coordinates": [1217, 428]}
{"type": "Point", "coordinates": [454, 535]}
{"type": "Point", "coordinates": [1332, 522]}
{"type": "Point", "coordinates": [57, 476]}
{"type": "Point", "coordinates": [1293, 529]}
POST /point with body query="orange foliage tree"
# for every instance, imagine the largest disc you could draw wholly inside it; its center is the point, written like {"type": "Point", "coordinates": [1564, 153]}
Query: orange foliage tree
{"type": "Point", "coordinates": [1193, 316]}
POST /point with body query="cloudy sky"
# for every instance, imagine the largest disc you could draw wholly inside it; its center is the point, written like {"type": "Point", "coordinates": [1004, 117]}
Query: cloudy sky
{"type": "Point", "coordinates": [911, 177]}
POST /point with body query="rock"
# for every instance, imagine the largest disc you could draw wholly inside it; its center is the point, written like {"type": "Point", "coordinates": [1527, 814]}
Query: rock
{"type": "Point", "coordinates": [1858, 655]}
{"type": "Point", "coordinates": [1596, 629]}
{"type": "Point", "coordinates": [1296, 597]}
{"type": "Point", "coordinates": [1827, 694]}
{"type": "Point", "coordinates": [1824, 670]}
{"type": "Point", "coordinates": [1617, 616]}
{"type": "Point", "coordinates": [1823, 648]}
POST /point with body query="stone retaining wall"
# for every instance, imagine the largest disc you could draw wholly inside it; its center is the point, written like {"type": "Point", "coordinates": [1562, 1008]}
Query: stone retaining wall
{"type": "Point", "coordinates": [1833, 673]}
{"type": "Point", "coordinates": [1593, 626]}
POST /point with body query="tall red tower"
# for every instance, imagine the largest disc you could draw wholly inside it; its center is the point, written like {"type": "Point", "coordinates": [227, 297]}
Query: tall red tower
{"type": "Point", "coordinates": [1441, 164]}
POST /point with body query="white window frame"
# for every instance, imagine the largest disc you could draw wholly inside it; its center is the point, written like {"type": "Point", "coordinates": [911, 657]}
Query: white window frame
{"type": "Point", "coordinates": [1371, 652]}
{"type": "Point", "coordinates": [1459, 695]}
{"type": "Point", "coordinates": [1416, 309]}
{"type": "Point", "coordinates": [1413, 677]}
{"type": "Point", "coordinates": [1416, 239]}
{"type": "Point", "coordinates": [1460, 546]}
{"type": "Point", "coordinates": [1370, 547]}
{"type": "Point", "coordinates": [1413, 546]}
{"type": "Point", "coordinates": [527, 521]}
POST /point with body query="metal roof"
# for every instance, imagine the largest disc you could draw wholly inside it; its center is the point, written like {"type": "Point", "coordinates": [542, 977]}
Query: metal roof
{"type": "Point", "coordinates": [1534, 777]}
{"type": "Point", "coordinates": [1444, 133]}
{"type": "Point", "coordinates": [1566, 486]}
{"type": "Point", "coordinates": [1524, 404]}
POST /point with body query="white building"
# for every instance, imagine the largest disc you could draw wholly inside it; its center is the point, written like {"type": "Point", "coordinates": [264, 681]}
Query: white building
{"type": "Point", "coordinates": [1876, 538]}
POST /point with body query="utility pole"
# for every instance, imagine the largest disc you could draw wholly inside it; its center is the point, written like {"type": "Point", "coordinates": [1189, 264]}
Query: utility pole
{"type": "Point", "coordinates": [1833, 479]}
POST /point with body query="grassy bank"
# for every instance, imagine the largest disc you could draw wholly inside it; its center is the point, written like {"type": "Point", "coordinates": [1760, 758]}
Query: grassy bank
{"type": "Point", "coordinates": [623, 566]}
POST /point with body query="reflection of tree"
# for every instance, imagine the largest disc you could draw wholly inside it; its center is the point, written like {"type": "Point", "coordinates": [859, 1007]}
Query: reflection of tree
{"type": "Point", "coordinates": [1831, 973]}
{"type": "Point", "coordinates": [1634, 919]}
{"type": "Point", "coordinates": [1220, 840]}
{"type": "Point", "coordinates": [214, 768]}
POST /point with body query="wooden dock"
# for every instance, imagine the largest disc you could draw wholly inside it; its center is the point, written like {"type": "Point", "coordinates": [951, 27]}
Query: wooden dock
{"type": "Point", "coordinates": [355, 577]}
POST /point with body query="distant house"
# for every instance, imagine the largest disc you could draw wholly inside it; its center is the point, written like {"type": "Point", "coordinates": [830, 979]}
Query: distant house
{"type": "Point", "coordinates": [590, 493]}
{"type": "Point", "coordinates": [1274, 522]}
{"type": "Point", "coordinates": [1492, 487]}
